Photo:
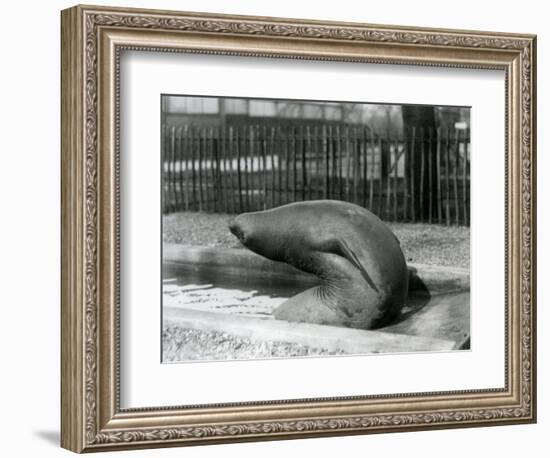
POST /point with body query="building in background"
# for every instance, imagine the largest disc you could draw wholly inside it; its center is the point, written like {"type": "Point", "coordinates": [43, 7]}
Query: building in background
{"type": "Point", "coordinates": [216, 111]}
{"type": "Point", "coordinates": [384, 120]}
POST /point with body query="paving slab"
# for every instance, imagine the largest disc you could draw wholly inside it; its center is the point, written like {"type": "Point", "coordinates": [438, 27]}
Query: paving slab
{"type": "Point", "coordinates": [445, 316]}
{"type": "Point", "coordinates": [332, 338]}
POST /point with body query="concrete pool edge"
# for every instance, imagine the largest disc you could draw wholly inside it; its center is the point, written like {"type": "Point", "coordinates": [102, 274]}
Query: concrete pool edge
{"type": "Point", "coordinates": [331, 338]}
{"type": "Point", "coordinates": [434, 277]}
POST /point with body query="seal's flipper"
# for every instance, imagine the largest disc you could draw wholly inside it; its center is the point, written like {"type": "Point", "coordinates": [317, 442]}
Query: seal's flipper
{"type": "Point", "coordinates": [343, 249]}
{"type": "Point", "coordinates": [309, 307]}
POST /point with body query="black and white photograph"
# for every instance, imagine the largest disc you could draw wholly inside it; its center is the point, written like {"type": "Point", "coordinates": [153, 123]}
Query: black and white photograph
{"type": "Point", "coordinates": [301, 228]}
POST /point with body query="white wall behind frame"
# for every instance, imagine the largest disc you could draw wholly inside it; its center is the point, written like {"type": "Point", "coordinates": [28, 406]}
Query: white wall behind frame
{"type": "Point", "coordinates": [29, 242]}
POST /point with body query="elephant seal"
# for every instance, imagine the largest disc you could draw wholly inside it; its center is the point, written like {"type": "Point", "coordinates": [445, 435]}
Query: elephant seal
{"type": "Point", "coordinates": [357, 258]}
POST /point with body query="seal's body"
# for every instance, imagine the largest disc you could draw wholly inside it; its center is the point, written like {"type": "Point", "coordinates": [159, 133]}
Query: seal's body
{"type": "Point", "coordinates": [357, 258]}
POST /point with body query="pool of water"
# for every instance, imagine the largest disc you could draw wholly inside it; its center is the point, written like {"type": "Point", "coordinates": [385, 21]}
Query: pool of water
{"type": "Point", "coordinates": [226, 291]}
{"type": "Point", "coordinates": [216, 290]}
{"type": "Point", "coordinates": [250, 293]}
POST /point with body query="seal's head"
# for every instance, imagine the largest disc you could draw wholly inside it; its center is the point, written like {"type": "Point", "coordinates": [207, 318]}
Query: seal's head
{"type": "Point", "coordinates": [256, 232]}
{"type": "Point", "coordinates": [245, 228]}
{"type": "Point", "coordinates": [237, 230]}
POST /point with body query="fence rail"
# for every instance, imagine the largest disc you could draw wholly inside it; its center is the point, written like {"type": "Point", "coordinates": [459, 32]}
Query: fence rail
{"type": "Point", "coordinates": [423, 176]}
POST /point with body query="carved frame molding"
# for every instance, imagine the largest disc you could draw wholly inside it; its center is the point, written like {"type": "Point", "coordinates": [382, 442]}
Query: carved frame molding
{"type": "Point", "coordinates": [92, 39]}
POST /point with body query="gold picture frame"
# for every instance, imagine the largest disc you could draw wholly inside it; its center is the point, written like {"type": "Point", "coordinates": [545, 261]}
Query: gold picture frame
{"type": "Point", "coordinates": [92, 39]}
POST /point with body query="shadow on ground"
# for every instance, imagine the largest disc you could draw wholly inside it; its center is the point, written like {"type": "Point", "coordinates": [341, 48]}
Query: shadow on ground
{"type": "Point", "coordinates": [52, 437]}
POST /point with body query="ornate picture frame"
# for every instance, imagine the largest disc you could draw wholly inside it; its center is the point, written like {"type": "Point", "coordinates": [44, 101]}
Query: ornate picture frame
{"type": "Point", "coordinates": [92, 41]}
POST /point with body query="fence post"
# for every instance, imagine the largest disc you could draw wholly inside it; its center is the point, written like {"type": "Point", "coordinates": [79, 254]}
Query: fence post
{"type": "Point", "coordinates": [203, 168]}
{"type": "Point", "coordinates": [255, 155]}
{"type": "Point", "coordinates": [413, 201]}
{"type": "Point", "coordinates": [184, 141]}
{"type": "Point", "coordinates": [422, 171]}
{"type": "Point", "coordinates": [221, 196]}
{"type": "Point", "coordinates": [464, 172]}
{"type": "Point", "coordinates": [165, 177]}
{"type": "Point", "coordinates": [340, 165]}
{"type": "Point", "coordinates": [359, 165]}
{"type": "Point", "coordinates": [272, 162]}
{"type": "Point", "coordinates": [239, 173]}
{"type": "Point", "coordinates": [246, 147]}
{"type": "Point", "coordinates": [192, 162]}
{"type": "Point", "coordinates": [447, 181]}
{"type": "Point", "coordinates": [381, 182]}
{"type": "Point", "coordinates": [212, 165]}
{"type": "Point", "coordinates": [406, 145]}
{"type": "Point", "coordinates": [318, 154]}
{"type": "Point", "coordinates": [308, 179]}
{"type": "Point", "coordinates": [279, 148]}
{"type": "Point", "coordinates": [336, 184]}
{"type": "Point", "coordinates": [348, 162]}
{"type": "Point", "coordinates": [363, 156]}
{"type": "Point", "coordinates": [254, 179]}
{"type": "Point", "coordinates": [295, 165]}
{"type": "Point", "coordinates": [163, 169]}
{"type": "Point", "coordinates": [229, 157]}
{"type": "Point", "coordinates": [179, 154]}
{"type": "Point", "coordinates": [304, 164]}
{"type": "Point", "coordinates": [326, 148]}
{"type": "Point", "coordinates": [222, 170]}
{"type": "Point", "coordinates": [206, 169]}
{"type": "Point", "coordinates": [172, 166]}
{"type": "Point", "coordinates": [455, 180]}
{"type": "Point", "coordinates": [263, 146]}
{"type": "Point", "coordinates": [372, 164]}
{"type": "Point", "coordinates": [388, 175]}
{"type": "Point", "coordinates": [430, 176]}
{"type": "Point", "coordinates": [438, 166]}
{"type": "Point", "coordinates": [395, 176]}
{"type": "Point", "coordinates": [287, 162]}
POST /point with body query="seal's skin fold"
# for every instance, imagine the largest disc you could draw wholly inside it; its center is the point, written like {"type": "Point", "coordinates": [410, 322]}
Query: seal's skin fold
{"type": "Point", "coordinates": [362, 271]}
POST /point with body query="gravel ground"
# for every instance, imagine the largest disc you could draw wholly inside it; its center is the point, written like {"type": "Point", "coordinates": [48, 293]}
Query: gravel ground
{"type": "Point", "coordinates": [180, 344]}
{"type": "Point", "coordinates": [422, 243]}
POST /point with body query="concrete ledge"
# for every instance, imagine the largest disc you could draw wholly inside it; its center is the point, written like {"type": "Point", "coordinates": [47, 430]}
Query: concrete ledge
{"type": "Point", "coordinates": [445, 316]}
{"type": "Point", "coordinates": [435, 278]}
{"type": "Point", "coordinates": [331, 338]}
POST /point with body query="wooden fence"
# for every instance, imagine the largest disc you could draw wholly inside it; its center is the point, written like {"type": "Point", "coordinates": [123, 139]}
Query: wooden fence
{"type": "Point", "coordinates": [421, 177]}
